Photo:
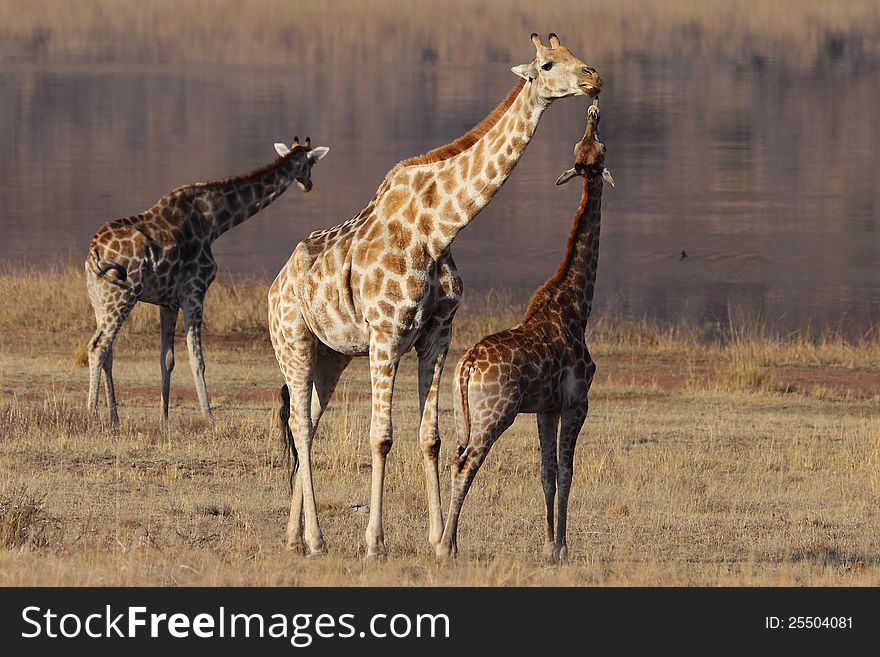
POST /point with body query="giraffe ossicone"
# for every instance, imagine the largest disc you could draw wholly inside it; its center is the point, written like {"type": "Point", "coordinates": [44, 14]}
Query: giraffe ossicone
{"type": "Point", "coordinates": [541, 365]}
{"type": "Point", "coordinates": [163, 256]}
{"type": "Point", "coordinates": [384, 282]}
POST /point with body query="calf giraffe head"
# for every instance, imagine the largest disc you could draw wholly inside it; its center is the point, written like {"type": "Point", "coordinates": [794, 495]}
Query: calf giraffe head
{"type": "Point", "coordinates": [557, 73]}
{"type": "Point", "coordinates": [589, 153]}
{"type": "Point", "coordinates": [304, 156]}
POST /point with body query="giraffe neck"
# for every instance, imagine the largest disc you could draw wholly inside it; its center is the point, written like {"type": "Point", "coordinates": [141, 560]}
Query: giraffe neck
{"type": "Point", "coordinates": [244, 196]}
{"type": "Point", "coordinates": [455, 182]}
{"type": "Point", "coordinates": [573, 284]}
{"type": "Point", "coordinates": [485, 167]}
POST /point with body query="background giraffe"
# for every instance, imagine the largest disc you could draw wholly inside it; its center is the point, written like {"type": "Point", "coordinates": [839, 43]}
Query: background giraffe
{"type": "Point", "coordinates": [163, 256]}
{"type": "Point", "coordinates": [384, 282]}
{"type": "Point", "coordinates": [540, 366]}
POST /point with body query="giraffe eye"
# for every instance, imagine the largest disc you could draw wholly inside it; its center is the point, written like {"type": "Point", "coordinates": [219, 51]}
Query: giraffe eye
{"type": "Point", "coordinates": [547, 66]}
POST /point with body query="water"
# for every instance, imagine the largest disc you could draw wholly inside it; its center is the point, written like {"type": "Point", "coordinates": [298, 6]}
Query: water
{"type": "Point", "coordinates": [766, 172]}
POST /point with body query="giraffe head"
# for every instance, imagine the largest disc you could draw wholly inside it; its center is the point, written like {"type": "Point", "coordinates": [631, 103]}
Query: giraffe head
{"type": "Point", "coordinates": [589, 153]}
{"type": "Point", "coordinates": [557, 73]}
{"type": "Point", "coordinates": [302, 157]}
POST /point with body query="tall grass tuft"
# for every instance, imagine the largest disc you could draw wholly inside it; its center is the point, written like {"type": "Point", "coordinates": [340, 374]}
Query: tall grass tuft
{"type": "Point", "coordinates": [22, 520]}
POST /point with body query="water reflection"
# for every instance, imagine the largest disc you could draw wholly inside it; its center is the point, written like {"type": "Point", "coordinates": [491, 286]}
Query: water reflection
{"type": "Point", "coordinates": [766, 174]}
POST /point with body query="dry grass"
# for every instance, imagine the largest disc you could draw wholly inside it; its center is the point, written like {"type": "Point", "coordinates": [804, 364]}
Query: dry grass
{"type": "Point", "coordinates": [802, 32]}
{"type": "Point", "coordinates": [22, 521]}
{"type": "Point", "coordinates": [683, 476]}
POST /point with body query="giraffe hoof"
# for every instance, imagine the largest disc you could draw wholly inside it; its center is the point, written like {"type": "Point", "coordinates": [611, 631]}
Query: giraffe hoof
{"type": "Point", "coordinates": [376, 553]}
{"type": "Point", "coordinates": [436, 538]}
{"type": "Point", "coordinates": [562, 555]}
{"type": "Point", "coordinates": [446, 554]}
{"type": "Point", "coordinates": [316, 547]}
{"type": "Point", "coordinates": [549, 554]}
{"type": "Point", "coordinates": [296, 546]}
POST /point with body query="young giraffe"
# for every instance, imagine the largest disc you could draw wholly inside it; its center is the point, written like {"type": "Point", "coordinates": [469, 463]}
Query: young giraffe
{"type": "Point", "coordinates": [540, 366]}
{"type": "Point", "coordinates": [385, 282]}
{"type": "Point", "coordinates": [163, 256]}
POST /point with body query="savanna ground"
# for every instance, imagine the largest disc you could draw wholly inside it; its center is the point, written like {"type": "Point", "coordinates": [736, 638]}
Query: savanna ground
{"type": "Point", "coordinates": [712, 456]}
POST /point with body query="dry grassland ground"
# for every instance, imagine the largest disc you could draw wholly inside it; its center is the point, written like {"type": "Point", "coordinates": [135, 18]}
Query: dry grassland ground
{"type": "Point", "coordinates": [709, 458]}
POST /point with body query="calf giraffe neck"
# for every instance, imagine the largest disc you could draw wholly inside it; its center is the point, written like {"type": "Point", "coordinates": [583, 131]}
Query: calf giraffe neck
{"type": "Point", "coordinates": [573, 284]}
{"type": "Point", "coordinates": [384, 282]}
{"type": "Point", "coordinates": [541, 365]}
{"type": "Point", "coordinates": [163, 256]}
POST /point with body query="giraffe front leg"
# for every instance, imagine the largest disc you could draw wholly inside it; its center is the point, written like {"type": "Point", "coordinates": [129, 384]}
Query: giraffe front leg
{"type": "Point", "coordinates": [430, 370]}
{"type": "Point", "coordinates": [192, 315]}
{"type": "Point", "coordinates": [168, 322]}
{"type": "Point", "coordinates": [383, 370]}
{"type": "Point", "coordinates": [548, 427]}
{"type": "Point", "coordinates": [572, 421]}
{"type": "Point", "coordinates": [302, 525]}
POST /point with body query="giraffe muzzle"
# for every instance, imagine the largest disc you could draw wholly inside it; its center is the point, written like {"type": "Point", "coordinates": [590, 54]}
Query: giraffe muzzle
{"type": "Point", "coordinates": [592, 85]}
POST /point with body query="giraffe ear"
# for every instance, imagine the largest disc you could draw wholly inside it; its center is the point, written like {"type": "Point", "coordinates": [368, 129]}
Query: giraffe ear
{"type": "Point", "coordinates": [282, 149]}
{"type": "Point", "coordinates": [317, 153]}
{"type": "Point", "coordinates": [527, 72]}
{"type": "Point", "coordinates": [565, 177]}
{"type": "Point", "coordinates": [606, 174]}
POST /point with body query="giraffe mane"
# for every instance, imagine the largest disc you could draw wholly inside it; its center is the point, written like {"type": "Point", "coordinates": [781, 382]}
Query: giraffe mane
{"type": "Point", "coordinates": [469, 138]}
{"type": "Point", "coordinates": [255, 173]}
{"type": "Point", "coordinates": [573, 235]}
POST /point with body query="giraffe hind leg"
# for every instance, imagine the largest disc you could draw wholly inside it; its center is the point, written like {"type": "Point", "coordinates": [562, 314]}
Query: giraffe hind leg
{"type": "Point", "coordinates": [114, 289]}
{"type": "Point", "coordinates": [168, 321]}
{"type": "Point", "coordinates": [431, 362]}
{"type": "Point", "coordinates": [548, 428]}
{"type": "Point", "coordinates": [465, 465]}
{"type": "Point", "coordinates": [109, 390]}
{"type": "Point", "coordinates": [295, 541]}
{"type": "Point", "coordinates": [296, 352]}
{"type": "Point", "coordinates": [95, 369]}
{"type": "Point", "coordinates": [101, 356]}
{"type": "Point", "coordinates": [463, 471]}
{"type": "Point", "coordinates": [329, 366]}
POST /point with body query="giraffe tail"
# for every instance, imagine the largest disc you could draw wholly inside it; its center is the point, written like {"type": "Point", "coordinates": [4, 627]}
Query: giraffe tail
{"type": "Point", "coordinates": [462, 407]}
{"type": "Point", "coordinates": [102, 267]}
{"type": "Point", "coordinates": [287, 435]}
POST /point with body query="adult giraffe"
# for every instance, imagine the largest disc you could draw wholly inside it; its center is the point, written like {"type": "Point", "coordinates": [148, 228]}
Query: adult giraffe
{"type": "Point", "coordinates": [163, 256]}
{"type": "Point", "coordinates": [384, 282]}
